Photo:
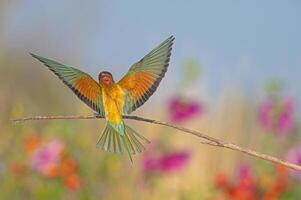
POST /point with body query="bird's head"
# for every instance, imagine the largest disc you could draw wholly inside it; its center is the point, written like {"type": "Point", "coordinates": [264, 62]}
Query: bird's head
{"type": "Point", "coordinates": [105, 78]}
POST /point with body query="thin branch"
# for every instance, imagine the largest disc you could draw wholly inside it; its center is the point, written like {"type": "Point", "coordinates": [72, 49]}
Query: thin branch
{"type": "Point", "coordinates": [206, 139]}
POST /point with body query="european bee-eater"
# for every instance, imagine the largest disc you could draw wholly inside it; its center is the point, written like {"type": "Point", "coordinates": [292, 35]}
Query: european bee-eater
{"type": "Point", "coordinates": [111, 100]}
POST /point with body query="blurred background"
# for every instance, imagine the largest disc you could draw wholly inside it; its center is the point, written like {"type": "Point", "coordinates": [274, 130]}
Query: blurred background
{"type": "Point", "coordinates": [234, 74]}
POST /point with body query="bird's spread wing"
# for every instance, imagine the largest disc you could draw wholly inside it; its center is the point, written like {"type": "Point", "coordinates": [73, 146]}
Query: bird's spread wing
{"type": "Point", "coordinates": [82, 84]}
{"type": "Point", "coordinates": [143, 77]}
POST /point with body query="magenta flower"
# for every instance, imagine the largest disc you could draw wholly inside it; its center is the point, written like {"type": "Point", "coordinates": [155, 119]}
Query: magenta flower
{"type": "Point", "coordinates": [174, 162]}
{"type": "Point", "coordinates": [151, 164]}
{"type": "Point", "coordinates": [294, 156]}
{"type": "Point", "coordinates": [266, 114]}
{"type": "Point", "coordinates": [286, 119]}
{"type": "Point", "coordinates": [246, 178]}
{"type": "Point", "coordinates": [165, 163]}
{"type": "Point", "coordinates": [46, 157]}
{"type": "Point", "coordinates": [181, 110]}
{"type": "Point", "coordinates": [277, 116]}
{"type": "Point", "coordinates": [244, 171]}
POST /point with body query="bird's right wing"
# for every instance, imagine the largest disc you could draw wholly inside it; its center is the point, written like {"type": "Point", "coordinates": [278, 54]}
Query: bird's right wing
{"type": "Point", "coordinates": [144, 77]}
{"type": "Point", "coordinates": [82, 84]}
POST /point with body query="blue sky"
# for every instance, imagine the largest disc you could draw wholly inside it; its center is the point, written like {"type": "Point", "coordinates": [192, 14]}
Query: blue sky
{"type": "Point", "coordinates": [239, 43]}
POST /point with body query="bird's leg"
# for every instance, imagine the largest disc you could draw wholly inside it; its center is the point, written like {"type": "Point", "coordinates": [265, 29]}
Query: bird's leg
{"type": "Point", "coordinates": [97, 115]}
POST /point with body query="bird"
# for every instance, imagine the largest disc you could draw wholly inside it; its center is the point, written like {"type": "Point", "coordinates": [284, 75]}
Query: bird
{"type": "Point", "coordinates": [111, 100]}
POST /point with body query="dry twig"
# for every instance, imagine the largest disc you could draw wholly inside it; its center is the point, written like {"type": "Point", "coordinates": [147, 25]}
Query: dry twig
{"type": "Point", "coordinates": [205, 138]}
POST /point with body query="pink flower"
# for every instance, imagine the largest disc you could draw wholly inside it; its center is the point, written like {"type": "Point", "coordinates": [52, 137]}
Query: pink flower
{"type": "Point", "coordinates": [246, 178]}
{"type": "Point", "coordinates": [166, 163]}
{"type": "Point", "coordinates": [286, 119]}
{"type": "Point", "coordinates": [294, 156]}
{"type": "Point", "coordinates": [277, 116]}
{"type": "Point", "coordinates": [47, 157]}
{"type": "Point", "coordinates": [266, 114]}
{"type": "Point", "coordinates": [151, 164]}
{"type": "Point", "coordinates": [174, 162]}
{"type": "Point", "coordinates": [244, 171]}
{"type": "Point", "coordinates": [181, 110]}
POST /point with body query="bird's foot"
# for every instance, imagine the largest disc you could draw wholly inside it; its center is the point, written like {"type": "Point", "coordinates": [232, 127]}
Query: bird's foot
{"type": "Point", "coordinates": [97, 115]}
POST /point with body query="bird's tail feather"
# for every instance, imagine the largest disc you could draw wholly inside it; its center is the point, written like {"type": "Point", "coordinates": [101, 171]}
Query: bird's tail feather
{"type": "Point", "coordinates": [131, 142]}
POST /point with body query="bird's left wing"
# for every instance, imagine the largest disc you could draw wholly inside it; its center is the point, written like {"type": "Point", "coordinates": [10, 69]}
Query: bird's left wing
{"type": "Point", "coordinates": [82, 84]}
{"type": "Point", "coordinates": [144, 77]}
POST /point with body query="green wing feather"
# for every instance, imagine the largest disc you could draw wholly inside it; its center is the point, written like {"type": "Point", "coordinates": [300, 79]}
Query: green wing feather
{"type": "Point", "coordinates": [144, 77]}
{"type": "Point", "coordinates": [82, 84]}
